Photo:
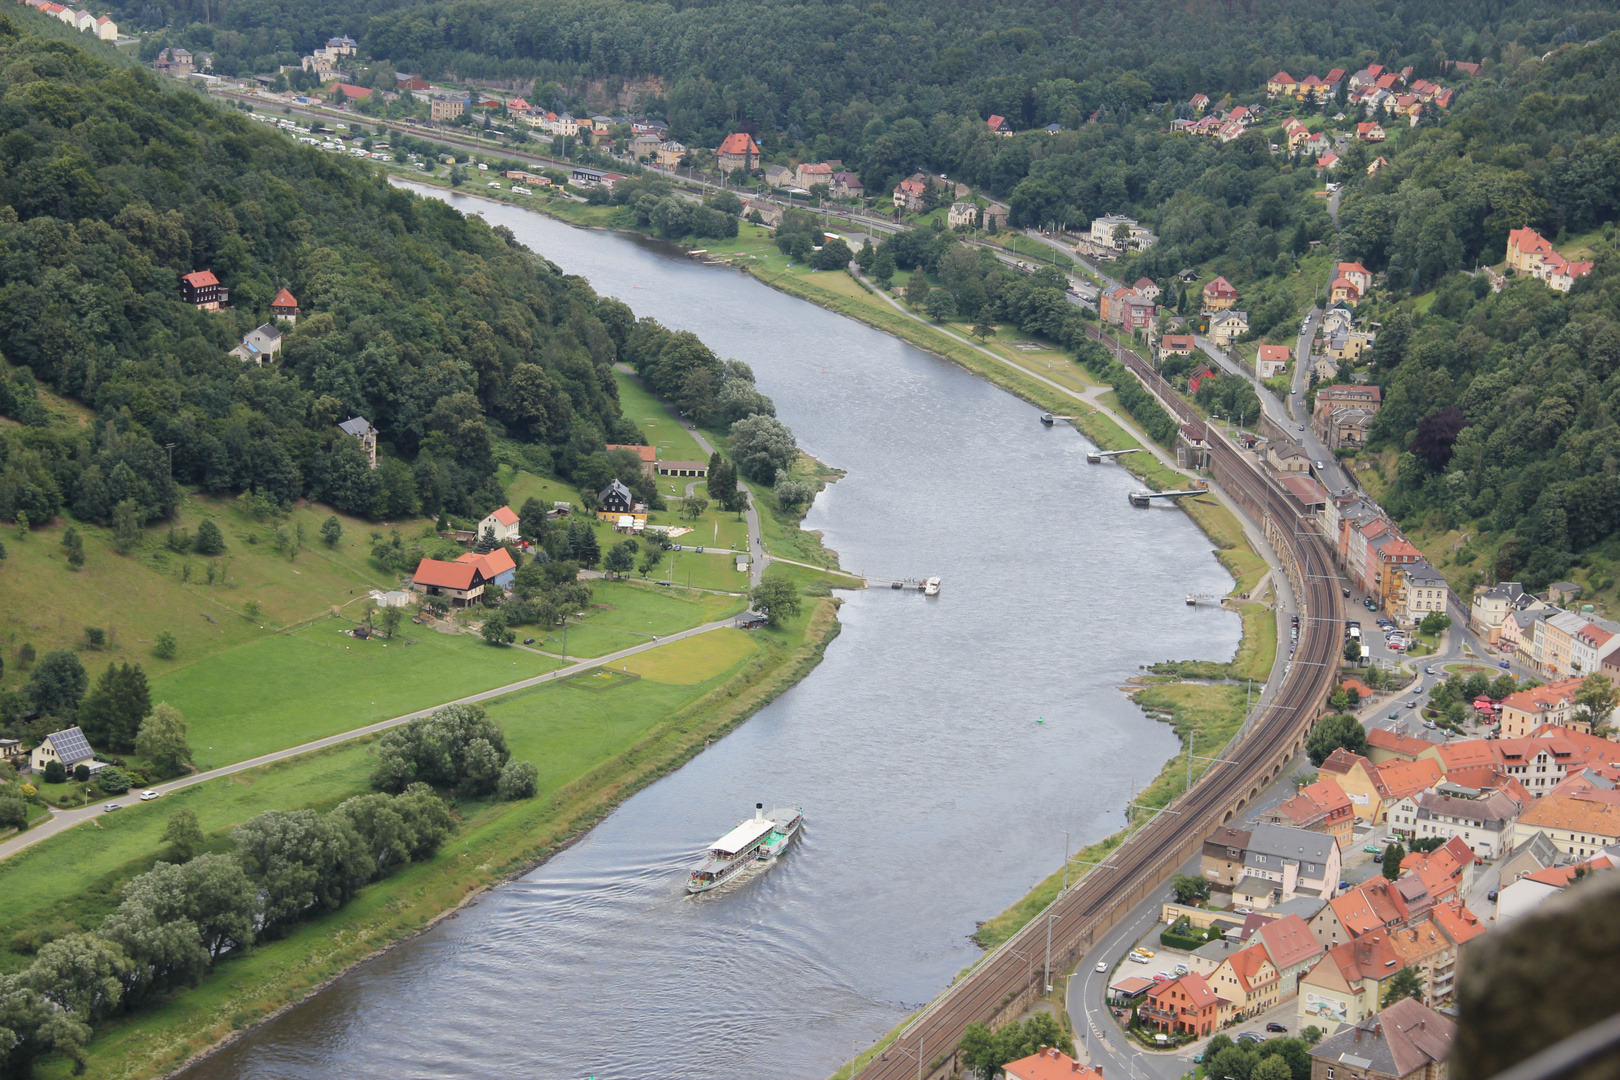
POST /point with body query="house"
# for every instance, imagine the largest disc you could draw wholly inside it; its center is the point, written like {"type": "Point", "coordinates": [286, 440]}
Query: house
{"type": "Point", "coordinates": [70, 747]}
{"type": "Point", "coordinates": [1282, 83]}
{"type": "Point", "coordinates": [1344, 291]}
{"type": "Point", "coordinates": [1527, 250]}
{"type": "Point", "coordinates": [175, 63]}
{"type": "Point", "coordinates": [1146, 288]}
{"type": "Point", "coordinates": [284, 305]}
{"type": "Point", "coordinates": [1377, 165]}
{"type": "Point", "coordinates": [1198, 104]}
{"type": "Point", "coordinates": [647, 454]}
{"type": "Point", "coordinates": [1197, 377]}
{"type": "Point", "coordinates": [1490, 605]}
{"type": "Point", "coordinates": [1384, 746]}
{"type": "Point", "coordinates": [909, 194]}
{"type": "Point", "coordinates": [1373, 905]}
{"type": "Point", "coordinates": [1358, 275]}
{"type": "Point", "coordinates": [1282, 862]}
{"type": "Point", "coordinates": [202, 290]}
{"type": "Point", "coordinates": [668, 154]}
{"type": "Point", "coordinates": [1406, 1041]}
{"type": "Point", "coordinates": [1291, 947]}
{"type": "Point", "coordinates": [360, 428]}
{"type": "Point", "coordinates": [1424, 591]}
{"type": "Point", "coordinates": [1347, 984]}
{"type": "Point", "coordinates": [1484, 824]}
{"type": "Point", "coordinates": [697, 469]}
{"type": "Point", "coordinates": [769, 213]}
{"type": "Point", "coordinates": [1188, 1004]}
{"type": "Point", "coordinates": [1327, 163]}
{"type": "Point", "coordinates": [1192, 446]}
{"type": "Point", "coordinates": [500, 525]}
{"type": "Point", "coordinates": [999, 125]}
{"type": "Point", "coordinates": [460, 582]}
{"type": "Point", "coordinates": [737, 151]}
{"type": "Point", "coordinates": [1176, 345]}
{"type": "Point", "coordinates": [962, 215]}
{"type": "Point", "coordinates": [778, 176]}
{"type": "Point", "coordinates": [1221, 859]}
{"type": "Point", "coordinates": [351, 92]}
{"type": "Point", "coordinates": [1578, 826]}
{"type": "Point", "coordinates": [809, 175]}
{"type": "Point", "coordinates": [846, 185]}
{"type": "Point", "coordinates": [265, 339]}
{"type": "Point", "coordinates": [1273, 360]}
{"type": "Point", "coordinates": [446, 107]}
{"type": "Point", "coordinates": [1288, 457]}
{"type": "Point", "coordinates": [1049, 1064]}
{"type": "Point", "coordinates": [1249, 980]}
{"type": "Point", "coordinates": [106, 29]}
{"type": "Point", "coordinates": [495, 566]}
{"type": "Point", "coordinates": [615, 499]}
{"type": "Point", "coordinates": [1219, 295]}
{"type": "Point", "coordinates": [645, 146]}
{"type": "Point", "coordinates": [1527, 710]}
{"type": "Point", "coordinates": [1320, 807]}
{"type": "Point", "coordinates": [1529, 892]}
{"type": "Point", "coordinates": [1227, 326]}
{"type": "Point", "coordinates": [1447, 870]}
{"type": "Point", "coordinates": [1562, 274]}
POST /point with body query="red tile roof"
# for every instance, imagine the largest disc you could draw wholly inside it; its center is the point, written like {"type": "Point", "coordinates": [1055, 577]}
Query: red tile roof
{"type": "Point", "coordinates": [199, 278]}
{"type": "Point", "coordinates": [1288, 941]}
{"type": "Point", "coordinates": [495, 562]}
{"type": "Point", "coordinates": [445, 575]}
{"type": "Point", "coordinates": [739, 143]}
{"type": "Point", "coordinates": [1397, 743]}
{"type": "Point", "coordinates": [1049, 1064]}
{"type": "Point", "coordinates": [646, 453]}
{"type": "Point", "coordinates": [349, 90]}
{"type": "Point", "coordinates": [506, 516]}
{"type": "Point", "coordinates": [1220, 287]}
{"type": "Point", "coordinates": [283, 299]}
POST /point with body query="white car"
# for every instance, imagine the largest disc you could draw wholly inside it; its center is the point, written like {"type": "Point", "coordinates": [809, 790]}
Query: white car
{"type": "Point", "coordinates": [494, 185]}
{"type": "Point", "coordinates": [1137, 957]}
{"type": "Point", "coordinates": [148, 796]}
{"type": "Point", "coordinates": [115, 806]}
{"type": "Point", "coordinates": [1102, 965]}
{"type": "Point", "coordinates": [519, 189]}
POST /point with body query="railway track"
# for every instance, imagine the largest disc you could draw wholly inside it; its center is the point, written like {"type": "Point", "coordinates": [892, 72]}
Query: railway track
{"type": "Point", "coordinates": [1154, 851]}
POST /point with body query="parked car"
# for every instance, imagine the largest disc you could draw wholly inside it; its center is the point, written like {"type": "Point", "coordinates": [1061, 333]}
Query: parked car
{"type": "Point", "coordinates": [1182, 969]}
{"type": "Point", "coordinates": [1491, 896]}
{"type": "Point", "coordinates": [1147, 952]}
{"type": "Point", "coordinates": [1373, 849]}
{"type": "Point", "coordinates": [1137, 957]}
{"type": "Point", "coordinates": [1251, 1037]}
{"type": "Point", "coordinates": [528, 641]}
{"type": "Point", "coordinates": [112, 806]}
{"type": "Point", "coordinates": [1274, 1026]}
{"type": "Point", "coordinates": [1378, 858]}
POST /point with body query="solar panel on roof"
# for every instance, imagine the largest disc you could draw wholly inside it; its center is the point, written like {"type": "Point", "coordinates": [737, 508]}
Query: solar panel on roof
{"type": "Point", "coordinates": [71, 745]}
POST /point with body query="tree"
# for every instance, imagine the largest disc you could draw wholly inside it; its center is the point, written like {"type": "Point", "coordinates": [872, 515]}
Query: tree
{"type": "Point", "coordinates": [1332, 732]}
{"type": "Point", "coordinates": [694, 507]}
{"type": "Point", "coordinates": [621, 558]}
{"type": "Point", "coordinates": [1405, 983]}
{"type": "Point", "coordinates": [983, 330]}
{"type": "Point", "coordinates": [917, 288]}
{"type": "Point", "coordinates": [762, 446]}
{"type": "Point", "coordinates": [1394, 855]}
{"type": "Point", "coordinates": [81, 974]}
{"type": "Point", "coordinates": [126, 526]}
{"type": "Point", "coordinates": [777, 598]}
{"type": "Point", "coordinates": [166, 646]}
{"type": "Point", "coordinates": [183, 835]}
{"type": "Point", "coordinates": [13, 813]}
{"type": "Point", "coordinates": [519, 780]}
{"type": "Point", "coordinates": [1271, 1068]}
{"type": "Point", "coordinates": [112, 713]}
{"type": "Point", "coordinates": [58, 683]}
{"type": "Point", "coordinates": [495, 631]}
{"type": "Point", "coordinates": [391, 618]}
{"type": "Point", "coordinates": [1595, 700]}
{"type": "Point", "coordinates": [1435, 622]}
{"type": "Point", "coordinates": [210, 541]}
{"type": "Point", "coordinates": [883, 269]}
{"type": "Point", "coordinates": [1189, 888]}
{"type": "Point", "coordinates": [113, 780]}
{"type": "Point", "coordinates": [532, 521]}
{"type": "Point", "coordinates": [55, 773]}
{"type": "Point", "coordinates": [1352, 650]}
{"type": "Point", "coordinates": [162, 740]}
{"type": "Point", "coordinates": [74, 543]}
{"type": "Point", "coordinates": [434, 750]}
{"type": "Point", "coordinates": [302, 863]}
{"type": "Point", "coordinates": [649, 561]}
{"type": "Point", "coordinates": [1311, 1035]}
{"type": "Point", "coordinates": [332, 531]}
{"type": "Point", "coordinates": [940, 305]}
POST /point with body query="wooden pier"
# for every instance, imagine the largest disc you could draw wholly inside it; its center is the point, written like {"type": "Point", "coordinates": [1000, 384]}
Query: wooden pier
{"type": "Point", "coordinates": [1097, 457]}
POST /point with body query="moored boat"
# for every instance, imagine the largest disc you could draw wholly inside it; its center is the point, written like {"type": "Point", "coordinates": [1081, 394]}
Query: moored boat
{"type": "Point", "coordinates": [931, 587]}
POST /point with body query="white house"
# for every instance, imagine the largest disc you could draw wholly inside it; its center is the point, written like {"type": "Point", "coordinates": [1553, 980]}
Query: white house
{"type": "Point", "coordinates": [106, 29]}
{"type": "Point", "coordinates": [962, 213]}
{"type": "Point", "coordinates": [1227, 326]}
{"type": "Point", "coordinates": [503, 524]}
{"type": "Point", "coordinates": [70, 747]}
{"type": "Point", "coordinates": [1485, 824]}
{"type": "Point", "coordinates": [266, 338]}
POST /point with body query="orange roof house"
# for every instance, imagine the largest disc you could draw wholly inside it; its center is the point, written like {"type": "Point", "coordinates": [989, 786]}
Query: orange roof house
{"type": "Point", "coordinates": [350, 91]}
{"type": "Point", "coordinates": [1526, 249]}
{"type": "Point", "coordinates": [492, 565]}
{"type": "Point", "coordinates": [1527, 710]}
{"type": "Point", "coordinates": [647, 454]}
{"type": "Point", "coordinates": [1188, 1004]}
{"type": "Point", "coordinates": [1320, 807]}
{"type": "Point", "coordinates": [738, 151]}
{"type": "Point", "coordinates": [1384, 746]}
{"type": "Point", "coordinates": [1049, 1064]}
{"type": "Point", "coordinates": [1219, 295]}
{"type": "Point", "coordinates": [284, 306]}
{"type": "Point", "coordinates": [1346, 985]}
{"type": "Point", "coordinates": [461, 583]}
{"type": "Point", "coordinates": [1249, 980]}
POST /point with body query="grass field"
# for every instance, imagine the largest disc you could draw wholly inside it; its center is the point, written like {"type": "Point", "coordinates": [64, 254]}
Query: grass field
{"type": "Point", "coordinates": [286, 689]}
{"type": "Point", "coordinates": [592, 751]}
{"type": "Point", "coordinates": [628, 613]}
{"type": "Point", "coordinates": [658, 427]}
{"type": "Point", "coordinates": [692, 660]}
{"type": "Point", "coordinates": [137, 596]}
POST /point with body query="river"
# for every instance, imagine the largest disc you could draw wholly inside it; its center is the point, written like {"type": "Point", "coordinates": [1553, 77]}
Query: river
{"type": "Point", "coordinates": [940, 751]}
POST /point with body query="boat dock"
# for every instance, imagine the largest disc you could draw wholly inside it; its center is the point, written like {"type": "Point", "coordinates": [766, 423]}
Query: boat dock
{"type": "Point", "coordinates": [1145, 498]}
{"type": "Point", "coordinates": [1049, 418]}
{"type": "Point", "coordinates": [1194, 599]}
{"type": "Point", "coordinates": [922, 585]}
{"type": "Point", "coordinates": [1097, 457]}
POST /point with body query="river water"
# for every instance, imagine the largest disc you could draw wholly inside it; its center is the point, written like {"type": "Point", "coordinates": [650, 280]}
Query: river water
{"type": "Point", "coordinates": [940, 751]}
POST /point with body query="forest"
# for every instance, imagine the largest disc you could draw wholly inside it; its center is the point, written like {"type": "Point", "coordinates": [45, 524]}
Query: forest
{"type": "Point", "coordinates": [1500, 406]}
{"type": "Point", "coordinates": [459, 345]}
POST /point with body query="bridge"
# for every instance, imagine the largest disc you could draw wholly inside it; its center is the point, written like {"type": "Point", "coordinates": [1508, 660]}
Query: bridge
{"type": "Point", "coordinates": [1097, 457]}
{"type": "Point", "coordinates": [1145, 497]}
{"type": "Point", "coordinates": [1003, 983]}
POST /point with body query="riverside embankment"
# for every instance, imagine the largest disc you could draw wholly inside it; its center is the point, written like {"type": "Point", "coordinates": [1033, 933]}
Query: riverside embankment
{"type": "Point", "coordinates": [939, 750]}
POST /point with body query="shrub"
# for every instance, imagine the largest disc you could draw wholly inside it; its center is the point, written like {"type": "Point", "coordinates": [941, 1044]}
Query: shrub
{"type": "Point", "coordinates": [113, 780]}
{"type": "Point", "coordinates": [519, 780]}
{"type": "Point", "coordinates": [55, 773]}
{"type": "Point", "coordinates": [210, 541]}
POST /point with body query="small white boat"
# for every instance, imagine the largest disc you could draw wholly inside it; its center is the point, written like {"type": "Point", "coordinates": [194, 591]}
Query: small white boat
{"type": "Point", "coordinates": [755, 840]}
{"type": "Point", "coordinates": [931, 587]}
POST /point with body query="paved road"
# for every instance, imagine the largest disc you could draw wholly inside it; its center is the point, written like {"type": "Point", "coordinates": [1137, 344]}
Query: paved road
{"type": "Point", "coordinates": [68, 818]}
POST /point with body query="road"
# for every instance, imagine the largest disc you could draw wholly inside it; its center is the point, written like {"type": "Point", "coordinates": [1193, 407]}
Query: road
{"type": "Point", "coordinates": [66, 819]}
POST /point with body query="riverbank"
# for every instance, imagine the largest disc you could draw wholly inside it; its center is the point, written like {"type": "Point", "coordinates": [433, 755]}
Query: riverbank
{"type": "Point", "coordinates": [494, 843]}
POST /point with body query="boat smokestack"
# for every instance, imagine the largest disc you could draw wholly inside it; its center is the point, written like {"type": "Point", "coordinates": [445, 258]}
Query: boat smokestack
{"type": "Point", "coordinates": [759, 811]}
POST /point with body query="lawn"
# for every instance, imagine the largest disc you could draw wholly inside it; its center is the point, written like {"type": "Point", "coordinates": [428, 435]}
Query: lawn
{"type": "Point", "coordinates": [287, 689]}
{"type": "Point", "coordinates": [153, 589]}
{"type": "Point", "coordinates": [624, 614]}
{"type": "Point", "coordinates": [693, 659]}
{"type": "Point", "coordinates": [658, 427]}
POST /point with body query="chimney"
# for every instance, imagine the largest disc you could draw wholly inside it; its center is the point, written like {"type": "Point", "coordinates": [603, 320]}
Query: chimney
{"type": "Point", "coordinates": [759, 811]}
{"type": "Point", "coordinates": [1423, 1025]}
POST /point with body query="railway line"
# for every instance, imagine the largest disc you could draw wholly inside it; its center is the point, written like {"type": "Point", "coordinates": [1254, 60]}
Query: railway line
{"type": "Point", "coordinates": [1009, 977]}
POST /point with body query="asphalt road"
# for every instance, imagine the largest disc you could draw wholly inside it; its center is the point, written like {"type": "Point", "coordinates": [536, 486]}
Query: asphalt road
{"type": "Point", "coordinates": [66, 819]}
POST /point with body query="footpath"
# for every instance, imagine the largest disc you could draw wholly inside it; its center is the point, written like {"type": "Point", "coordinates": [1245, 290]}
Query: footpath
{"type": "Point", "coordinates": [66, 819]}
